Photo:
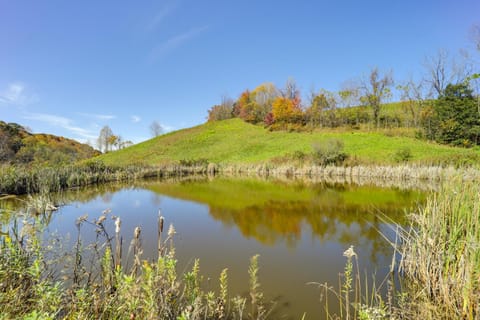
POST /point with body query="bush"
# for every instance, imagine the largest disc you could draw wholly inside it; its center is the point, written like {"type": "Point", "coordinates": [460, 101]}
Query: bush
{"type": "Point", "coordinates": [193, 162]}
{"type": "Point", "coordinates": [329, 152]}
{"type": "Point", "coordinates": [403, 155]}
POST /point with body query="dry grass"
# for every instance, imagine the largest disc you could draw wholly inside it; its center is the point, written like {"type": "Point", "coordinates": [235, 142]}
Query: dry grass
{"type": "Point", "coordinates": [96, 282]}
{"type": "Point", "coordinates": [441, 254]}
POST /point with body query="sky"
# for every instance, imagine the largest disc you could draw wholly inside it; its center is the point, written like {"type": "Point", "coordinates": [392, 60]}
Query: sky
{"type": "Point", "coordinates": [71, 67]}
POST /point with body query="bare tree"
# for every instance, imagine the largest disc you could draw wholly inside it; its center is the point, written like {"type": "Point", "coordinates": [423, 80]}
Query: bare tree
{"type": "Point", "coordinates": [104, 139]}
{"type": "Point", "coordinates": [155, 128]}
{"type": "Point", "coordinates": [291, 90]}
{"type": "Point", "coordinates": [443, 70]}
{"type": "Point", "coordinates": [375, 90]}
{"type": "Point", "coordinates": [413, 95]}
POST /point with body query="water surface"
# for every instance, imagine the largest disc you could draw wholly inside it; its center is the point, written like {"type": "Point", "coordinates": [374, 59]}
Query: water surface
{"type": "Point", "coordinates": [300, 229]}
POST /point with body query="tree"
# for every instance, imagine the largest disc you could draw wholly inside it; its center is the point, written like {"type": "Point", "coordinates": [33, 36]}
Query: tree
{"type": "Point", "coordinates": [349, 96]}
{"type": "Point", "coordinates": [263, 97]}
{"type": "Point", "coordinates": [413, 95]}
{"type": "Point", "coordinates": [285, 110]}
{"type": "Point", "coordinates": [222, 111]}
{"type": "Point", "coordinates": [321, 111]}
{"type": "Point", "coordinates": [245, 107]}
{"type": "Point", "coordinates": [456, 116]}
{"type": "Point", "coordinates": [375, 90]}
{"type": "Point", "coordinates": [104, 138]}
{"type": "Point", "coordinates": [155, 128]}
{"type": "Point", "coordinates": [442, 70]}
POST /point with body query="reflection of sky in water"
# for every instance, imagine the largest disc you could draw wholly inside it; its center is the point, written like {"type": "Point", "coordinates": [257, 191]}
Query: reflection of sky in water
{"type": "Point", "coordinates": [286, 265]}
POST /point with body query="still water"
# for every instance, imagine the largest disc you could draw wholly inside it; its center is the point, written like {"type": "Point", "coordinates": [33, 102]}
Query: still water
{"type": "Point", "coordinates": [300, 230]}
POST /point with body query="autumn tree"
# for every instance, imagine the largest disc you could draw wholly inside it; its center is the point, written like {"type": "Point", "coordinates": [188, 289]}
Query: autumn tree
{"type": "Point", "coordinates": [375, 90]}
{"type": "Point", "coordinates": [245, 107]}
{"type": "Point", "coordinates": [314, 113]}
{"type": "Point", "coordinates": [222, 111]}
{"type": "Point", "coordinates": [285, 111]}
{"type": "Point", "coordinates": [155, 128]}
{"type": "Point", "coordinates": [263, 97]}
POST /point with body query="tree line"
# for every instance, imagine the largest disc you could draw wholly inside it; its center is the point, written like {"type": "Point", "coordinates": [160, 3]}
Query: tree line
{"type": "Point", "coordinates": [441, 106]}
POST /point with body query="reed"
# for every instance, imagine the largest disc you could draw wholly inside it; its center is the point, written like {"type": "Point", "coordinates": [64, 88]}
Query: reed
{"type": "Point", "coordinates": [102, 285]}
{"type": "Point", "coordinates": [441, 254]}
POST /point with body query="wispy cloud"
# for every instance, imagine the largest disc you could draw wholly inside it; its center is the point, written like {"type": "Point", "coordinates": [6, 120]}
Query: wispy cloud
{"type": "Point", "coordinates": [174, 42]}
{"type": "Point", "coordinates": [61, 122]}
{"type": "Point", "coordinates": [15, 94]}
{"type": "Point", "coordinates": [136, 119]}
{"type": "Point", "coordinates": [98, 116]}
{"type": "Point", "coordinates": [161, 15]}
{"type": "Point", "coordinates": [167, 128]}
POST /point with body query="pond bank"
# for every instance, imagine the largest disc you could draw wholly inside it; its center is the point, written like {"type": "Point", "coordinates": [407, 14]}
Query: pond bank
{"type": "Point", "coordinates": [15, 180]}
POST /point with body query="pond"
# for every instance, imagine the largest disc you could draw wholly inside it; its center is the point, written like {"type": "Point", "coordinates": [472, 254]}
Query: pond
{"type": "Point", "coordinates": [300, 229]}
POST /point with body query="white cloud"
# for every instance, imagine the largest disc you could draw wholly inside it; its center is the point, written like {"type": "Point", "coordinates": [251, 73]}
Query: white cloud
{"type": "Point", "coordinates": [136, 119]}
{"type": "Point", "coordinates": [61, 122]}
{"type": "Point", "coordinates": [174, 42]}
{"type": "Point", "coordinates": [15, 94]}
{"type": "Point", "coordinates": [166, 128]}
{"type": "Point", "coordinates": [161, 15]}
{"type": "Point", "coordinates": [98, 116]}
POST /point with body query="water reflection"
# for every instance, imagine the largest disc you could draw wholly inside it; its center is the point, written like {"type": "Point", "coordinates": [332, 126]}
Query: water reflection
{"type": "Point", "coordinates": [273, 211]}
{"type": "Point", "coordinates": [299, 228]}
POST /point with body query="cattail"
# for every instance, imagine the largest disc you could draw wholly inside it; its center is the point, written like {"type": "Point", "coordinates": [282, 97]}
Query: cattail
{"type": "Point", "coordinates": [160, 231]}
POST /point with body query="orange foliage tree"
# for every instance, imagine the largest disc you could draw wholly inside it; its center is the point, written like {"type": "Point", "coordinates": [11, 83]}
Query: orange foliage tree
{"type": "Point", "coordinates": [285, 110]}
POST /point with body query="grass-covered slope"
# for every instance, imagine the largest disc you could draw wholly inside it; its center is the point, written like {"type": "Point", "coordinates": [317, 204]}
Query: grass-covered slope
{"type": "Point", "coordinates": [234, 141]}
{"type": "Point", "coordinates": [20, 147]}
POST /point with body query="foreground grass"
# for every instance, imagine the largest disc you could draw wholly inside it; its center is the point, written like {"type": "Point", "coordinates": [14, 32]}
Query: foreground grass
{"type": "Point", "coordinates": [37, 281]}
{"type": "Point", "coordinates": [441, 254]}
{"type": "Point", "coordinates": [234, 141]}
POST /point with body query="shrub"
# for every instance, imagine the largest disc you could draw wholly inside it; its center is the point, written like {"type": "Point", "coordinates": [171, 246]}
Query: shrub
{"type": "Point", "coordinates": [329, 152]}
{"type": "Point", "coordinates": [403, 154]}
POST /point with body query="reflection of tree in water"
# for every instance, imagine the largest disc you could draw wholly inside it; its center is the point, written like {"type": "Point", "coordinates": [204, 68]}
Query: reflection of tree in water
{"type": "Point", "coordinates": [333, 220]}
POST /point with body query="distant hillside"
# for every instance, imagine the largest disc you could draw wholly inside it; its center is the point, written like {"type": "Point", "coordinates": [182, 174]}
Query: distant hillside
{"type": "Point", "coordinates": [235, 141]}
{"type": "Point", "coordinates": [19, 146]}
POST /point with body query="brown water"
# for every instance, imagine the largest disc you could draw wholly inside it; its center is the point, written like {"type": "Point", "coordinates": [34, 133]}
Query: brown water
{"type": "Point", "coordinates": [299, 229]}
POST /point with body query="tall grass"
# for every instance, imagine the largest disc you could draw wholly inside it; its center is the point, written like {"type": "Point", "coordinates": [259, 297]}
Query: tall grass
{"type": "Point", "coordinates": [95, 282]}
{"type": "Point", "coordinates": [24, 180]}
{"type": "Point", "coordinates": [441, 254]}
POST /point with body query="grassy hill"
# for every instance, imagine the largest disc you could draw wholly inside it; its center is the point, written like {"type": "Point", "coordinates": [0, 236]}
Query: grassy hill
{"type": "Point", "coordinates": [19, 146]}
{"type": "Point", "coordinates": [234, 141]}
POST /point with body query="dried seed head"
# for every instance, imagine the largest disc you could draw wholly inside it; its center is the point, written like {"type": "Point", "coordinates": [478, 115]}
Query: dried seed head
{"type": "Point", "coordinates": [171, 230]}
{"type": "Point", "coordinates": [136, 232]}
{"type": "Point", "coordinates": [349, 253]}
{"type": "Point", "coordinates": [82, 219]}
{"type": "Point", "coordinates": [101, 219]}
{"type": "Point", "coordinates": [118, 223]}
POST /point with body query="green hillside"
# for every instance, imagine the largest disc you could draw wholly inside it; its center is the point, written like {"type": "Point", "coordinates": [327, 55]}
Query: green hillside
{"type": "Point", "coordinates": [234, 141]}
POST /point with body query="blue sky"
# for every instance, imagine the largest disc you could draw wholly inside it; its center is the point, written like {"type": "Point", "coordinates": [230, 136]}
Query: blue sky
{"type": "Point", "coordinates": [71, 67]}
